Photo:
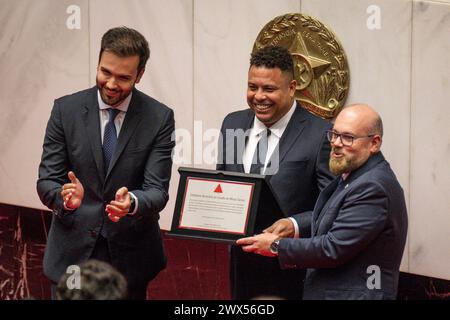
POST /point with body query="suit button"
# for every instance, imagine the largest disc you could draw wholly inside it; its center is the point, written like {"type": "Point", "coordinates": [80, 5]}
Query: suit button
{"type": "Point", "coordinates": [93, 233]}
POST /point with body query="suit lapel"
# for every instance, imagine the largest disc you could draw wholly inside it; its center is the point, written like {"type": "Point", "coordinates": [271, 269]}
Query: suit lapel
{"type": "Point", "coordinates": [321, 202]}
{"type": "Point", "coordinates": [370, 163]}
{"type": "Point", "coordinates": [240, 147]}
{"type": "Point", "coordinates": [129, 125]}
{"type": "Point", "coordinates": [293, 131]}
{"type": "Point", "coordinates": [91, 120]}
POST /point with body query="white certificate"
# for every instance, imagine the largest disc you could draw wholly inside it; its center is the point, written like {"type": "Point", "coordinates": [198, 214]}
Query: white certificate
{"type": "Point", "coordinates": [216, 205]}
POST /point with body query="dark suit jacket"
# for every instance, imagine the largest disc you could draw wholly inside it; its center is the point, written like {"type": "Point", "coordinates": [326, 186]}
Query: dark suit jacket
{"type": "Point", "coordinates": [302, 173]}
{"type": "Point", "coordinates": [142, 162]}
{"type": "Point", "coordinates": [303, 164]}
{"type": "Point", "coordinates": [362, 225]}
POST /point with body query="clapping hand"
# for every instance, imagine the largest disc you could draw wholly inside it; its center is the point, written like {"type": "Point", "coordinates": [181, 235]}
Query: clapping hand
{"type": "Point", "coordinates": [73, 192]}
{"type": "Point", "coordinates": [120, 206]}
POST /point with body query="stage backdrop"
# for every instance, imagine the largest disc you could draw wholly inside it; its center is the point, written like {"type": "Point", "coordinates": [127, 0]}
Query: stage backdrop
{"type": "Point", "coordinates": [398, 58]}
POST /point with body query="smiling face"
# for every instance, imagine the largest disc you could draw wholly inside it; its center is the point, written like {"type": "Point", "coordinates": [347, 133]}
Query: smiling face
{"type": "Point", "coordinates": [358, 121]}
{"type": "Point", "coordinates": [270, 93]}
{"type": "Point", "coordinates": [116, 77]}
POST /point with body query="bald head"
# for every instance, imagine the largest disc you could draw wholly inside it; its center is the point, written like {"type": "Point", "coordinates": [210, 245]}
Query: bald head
{"type": "Point", "coordinates": [359, 129]}
{"type": "Point", "coordinates": [363, 118]}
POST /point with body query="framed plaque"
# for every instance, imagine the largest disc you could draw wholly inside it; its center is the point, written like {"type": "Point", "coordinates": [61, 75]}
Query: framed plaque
{"type": "Point", "coordinates": [222, 206]}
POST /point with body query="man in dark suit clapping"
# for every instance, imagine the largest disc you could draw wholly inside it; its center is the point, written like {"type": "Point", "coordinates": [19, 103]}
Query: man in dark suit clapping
{"type": "Point", "coordinates": [106, 167]}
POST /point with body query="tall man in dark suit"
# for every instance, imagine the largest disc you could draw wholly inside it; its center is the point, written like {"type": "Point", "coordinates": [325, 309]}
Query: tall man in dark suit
{"type": "Point", "coordinates": [106, 167]}
{"type": "Point", "coordinates": [359, 223]}
{"type": "Point", "coordinates": [278, 138]}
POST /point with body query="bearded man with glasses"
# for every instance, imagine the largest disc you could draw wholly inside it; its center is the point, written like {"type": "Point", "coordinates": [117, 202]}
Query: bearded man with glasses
{"type": "Point", "coordinates": [359, 223]}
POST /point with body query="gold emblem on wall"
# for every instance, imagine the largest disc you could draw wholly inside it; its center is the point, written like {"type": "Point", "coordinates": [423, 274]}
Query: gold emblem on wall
{"type": "Point", "coordinates": [320, 64]}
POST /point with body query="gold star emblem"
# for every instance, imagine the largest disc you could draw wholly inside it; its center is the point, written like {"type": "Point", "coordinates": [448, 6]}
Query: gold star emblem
{"type": "Point", "coordinates": [306, 66]}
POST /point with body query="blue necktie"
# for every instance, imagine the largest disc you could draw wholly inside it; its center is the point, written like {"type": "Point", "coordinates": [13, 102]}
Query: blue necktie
{"type": "Point", "coordinates": [109, 138]}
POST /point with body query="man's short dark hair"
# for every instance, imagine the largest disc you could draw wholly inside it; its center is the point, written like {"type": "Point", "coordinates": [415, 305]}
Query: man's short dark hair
{"type": "Point", "coordinates": [273, 57]}
{"type": "Point", "coordinates": [98, 281]}
{"type": "Point", "coordinates": [125, 42]}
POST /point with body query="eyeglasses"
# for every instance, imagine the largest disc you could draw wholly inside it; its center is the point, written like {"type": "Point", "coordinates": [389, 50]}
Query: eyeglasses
{"type": "Point", "coordinates": [346, 139]}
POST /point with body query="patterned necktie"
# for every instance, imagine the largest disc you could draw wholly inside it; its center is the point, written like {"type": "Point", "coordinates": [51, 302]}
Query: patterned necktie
{"type": "Point", "coordinates": [259, 157]}
{"type": "Point", "coordinates": [109, 138]}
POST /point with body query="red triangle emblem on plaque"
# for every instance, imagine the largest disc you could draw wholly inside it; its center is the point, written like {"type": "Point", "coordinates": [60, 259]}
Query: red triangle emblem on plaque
{"type": "Point", "coordinates": [218, 189]}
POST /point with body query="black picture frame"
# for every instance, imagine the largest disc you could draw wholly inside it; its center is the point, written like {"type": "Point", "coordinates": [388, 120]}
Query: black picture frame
{"type": "Point", "coordinates": [264, 206]}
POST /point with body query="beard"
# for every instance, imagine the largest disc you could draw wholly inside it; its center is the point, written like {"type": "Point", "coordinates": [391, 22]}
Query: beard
{"type": "Point", "coordinates": [116, 100]}
{"type": "Point", "coordinates": [344, 164]}
{"type": "Point", "coordinates": [339, 166]}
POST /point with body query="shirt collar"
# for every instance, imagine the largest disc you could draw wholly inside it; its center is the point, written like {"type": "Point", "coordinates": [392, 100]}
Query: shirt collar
{"type": "Point", "coordinates": [278, 127]}
{"type": "Point", "coordinates": [122, 107]}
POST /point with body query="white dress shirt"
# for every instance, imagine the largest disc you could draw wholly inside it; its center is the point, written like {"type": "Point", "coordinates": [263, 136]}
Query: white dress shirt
{"type": "Point", "coordinates": [104, 115]}
{"type": "Point", "coordinates": [277, 130]}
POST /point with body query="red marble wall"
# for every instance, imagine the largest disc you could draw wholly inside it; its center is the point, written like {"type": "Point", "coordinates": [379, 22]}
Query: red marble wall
{"type": "Point", "coordinates": [196, 270]}
{"type": "Point", "coordinates": [23, 234]}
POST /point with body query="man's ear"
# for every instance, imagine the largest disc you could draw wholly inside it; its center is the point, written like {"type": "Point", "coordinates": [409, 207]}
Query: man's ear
{"type": "Point", "coordinates": [376, 144]}
{"type": "Point", "coordinates": [292, 87]}
{"type": "Point", "coordinates": [139, 76]}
